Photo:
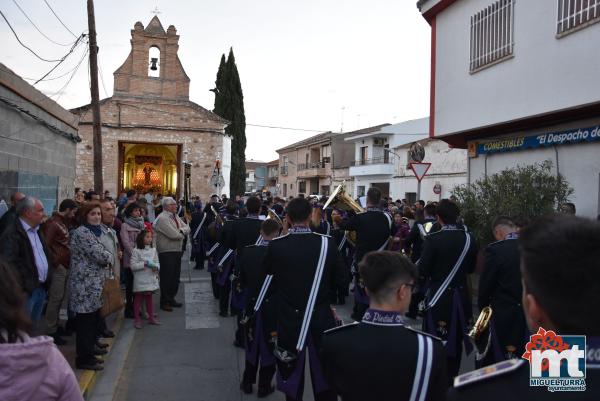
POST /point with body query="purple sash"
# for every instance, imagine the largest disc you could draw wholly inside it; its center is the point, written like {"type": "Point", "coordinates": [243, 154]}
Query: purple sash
{"type": "Point", "coordinates": [258, 348]}
{"type": "Point", "coordinates": [458, 318]}
{"type": "Point", "coordinates": [223, 277]}
{"type": "Point", "coordinates": [238, 299]}
{"type": "Point", "coordinates": [212, 265]}
{"type": "Point", "coordinates": [291, 384]}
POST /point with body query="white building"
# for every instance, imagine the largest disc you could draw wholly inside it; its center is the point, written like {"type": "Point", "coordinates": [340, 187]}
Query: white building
{"type": "Point", "coordinates": [517, 83]}
{"type": "Point", "coordinates": [375, 166]}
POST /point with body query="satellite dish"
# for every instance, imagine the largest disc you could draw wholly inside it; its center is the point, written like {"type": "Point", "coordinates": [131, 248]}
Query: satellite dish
{"type": "Point", "coordinates": [416, 152]}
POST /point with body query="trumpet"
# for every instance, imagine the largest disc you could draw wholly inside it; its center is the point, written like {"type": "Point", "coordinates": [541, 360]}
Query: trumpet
{"type": "Point", "coordinates": [480, 335]}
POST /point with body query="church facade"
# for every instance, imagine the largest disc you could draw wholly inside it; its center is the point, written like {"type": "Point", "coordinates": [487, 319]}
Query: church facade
{"type": "Point", "coordinates": [150, 127]}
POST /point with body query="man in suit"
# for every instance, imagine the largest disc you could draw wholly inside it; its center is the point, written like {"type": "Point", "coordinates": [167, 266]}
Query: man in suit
{"type": "Point", "coordinates": [500, 288]}
{"type": "Point", "coordinates": [373, 230]}
{"type": "Point", "coordinates": [561, 271]}
{"type": "Point", "coordinates": [448, 258]}
{"type": "Point", "coordinates": [10, 216]}
{"type": "Point", "coordinates": [258, 312]}
{"type": "Point", "coordinates": [24, 248]}
{"type": "Point", "coordinates": [306, 267]}
{"type": "Point", "coordinates": [380, 358]}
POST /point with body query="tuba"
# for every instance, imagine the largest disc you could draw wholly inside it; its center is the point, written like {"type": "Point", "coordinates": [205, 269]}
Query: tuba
{"type": "Point", "coordinates": [341, 200]}
{"type": "Point", "coordinates": [271, 215]}
{"type": "Point", "coordinates": [480, 334]}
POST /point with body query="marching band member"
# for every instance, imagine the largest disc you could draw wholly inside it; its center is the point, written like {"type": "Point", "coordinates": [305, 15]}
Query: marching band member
{"type": "Point", "coordinates": [500, 287]}
{"type": "Point", "coordinates": [561, 271]}
{"type": "Point", "coordinates": [380, 358]}
{"type": "Point", "coordinates": [223, 258]}
{"type": "Point", "coordinates": [449, 255]}
{"type": "Point", "coordinates": [258, 313]}
{"type": "Point", "coordinates": [305, 267]}
{"type": "Point", "coordinates": [241, 233]}
{"type": "Point", "coordinates": [373, 228]}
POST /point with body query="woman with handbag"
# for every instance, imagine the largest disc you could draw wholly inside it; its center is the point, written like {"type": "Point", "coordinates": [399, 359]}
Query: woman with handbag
{"type": "Point", "coordinates": [89, 260]}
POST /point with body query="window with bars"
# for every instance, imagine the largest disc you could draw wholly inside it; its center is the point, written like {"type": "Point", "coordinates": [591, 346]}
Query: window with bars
{"type": "Point", "coordinates": [492, 34]}
{"type": "Point", "coordinates": [574, 14]}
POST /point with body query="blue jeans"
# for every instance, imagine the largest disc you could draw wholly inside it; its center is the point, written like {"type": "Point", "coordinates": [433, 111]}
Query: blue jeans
{"type": "Point", "coordinates": [35, 303]}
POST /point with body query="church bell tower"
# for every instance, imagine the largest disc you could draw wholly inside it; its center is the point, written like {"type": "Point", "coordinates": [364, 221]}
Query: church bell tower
{"type": "Point", "coordinates": [152, 68]}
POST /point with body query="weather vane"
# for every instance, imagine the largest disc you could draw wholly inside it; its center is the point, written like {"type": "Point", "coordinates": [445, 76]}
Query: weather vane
{"type": "Point", "coordinates": [155, 11]}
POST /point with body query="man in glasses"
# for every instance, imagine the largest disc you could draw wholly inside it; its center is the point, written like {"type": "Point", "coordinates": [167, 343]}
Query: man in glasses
{"type": "Point", "coordinates": [380, 358]}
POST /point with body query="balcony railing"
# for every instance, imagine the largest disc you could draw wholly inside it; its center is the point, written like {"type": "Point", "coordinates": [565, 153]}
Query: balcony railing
{"type": "Point", "coordinates": [306, 166]}
{"type": "Point", "coordinates": [375, 160]}
{"type": "Point", "coordinates": [283, 170]}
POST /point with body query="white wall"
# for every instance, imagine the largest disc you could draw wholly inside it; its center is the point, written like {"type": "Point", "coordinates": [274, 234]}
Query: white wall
{"type": "Point", "coordinates": [545, 74]}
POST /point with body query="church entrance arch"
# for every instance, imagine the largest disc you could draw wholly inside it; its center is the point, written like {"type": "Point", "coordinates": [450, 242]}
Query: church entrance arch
{"type": "Point", "coordinates": [145, 166]}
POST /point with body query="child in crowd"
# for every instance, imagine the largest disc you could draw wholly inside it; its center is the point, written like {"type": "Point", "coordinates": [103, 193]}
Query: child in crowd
{"type": "Point", "coordinates": [144, 265]}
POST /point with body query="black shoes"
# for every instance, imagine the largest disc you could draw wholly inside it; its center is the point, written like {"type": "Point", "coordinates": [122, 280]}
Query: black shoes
{"type": "Point", "coordinates": [58, 340]}
{"type": "Point", "coordinates": [101, 345]}
{"type": "Point", "coordinates": [107, 334]}
{"type": "Point", "coordinates": [176, 304]}
{"type": "Point", "coordinates": [265, 391]}
{"type": "Point", "coordinates": [100, 351]}
{"type": "Point", "coordinates": [246, 387]}
{"type": "Point", "coordinates": [238, 344]}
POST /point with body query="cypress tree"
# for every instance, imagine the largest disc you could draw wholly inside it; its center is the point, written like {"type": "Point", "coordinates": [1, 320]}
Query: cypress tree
{"type": "Point", "coordinates": [229, 104]}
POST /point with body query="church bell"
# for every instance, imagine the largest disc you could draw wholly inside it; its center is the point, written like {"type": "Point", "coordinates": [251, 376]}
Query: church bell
{"type": "Point", "coordinates": [153, 62]}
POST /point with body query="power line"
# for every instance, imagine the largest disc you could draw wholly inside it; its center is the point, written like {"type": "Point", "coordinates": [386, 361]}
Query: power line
{"type": "Point", "coordinates": [62, 59]}
{"type": "Point", "coordinates": [22, 44]}
{"type": "Point", "coordinates": [102, 78]}
{"type": "Point", "coordinates": [61, 90]}
{"type": "Point", "coordinates": [37, 28]}
{"type": "Point", "coordinates": [59, 20]}
{"type": "Point", "coordinates": [288, 128]}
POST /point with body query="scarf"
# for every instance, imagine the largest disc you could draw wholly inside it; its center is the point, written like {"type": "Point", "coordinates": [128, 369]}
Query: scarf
{"type": "Point", "coordinates": [96, 230]}
{"type": "Point", "coordinates": [135, 222]}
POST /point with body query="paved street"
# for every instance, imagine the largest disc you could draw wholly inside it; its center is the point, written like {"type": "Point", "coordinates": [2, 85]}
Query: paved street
{"type": "Point", "coordinates": [189, 357]}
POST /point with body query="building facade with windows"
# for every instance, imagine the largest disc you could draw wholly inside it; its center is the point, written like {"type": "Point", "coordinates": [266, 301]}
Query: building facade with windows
{"type": "Point", "coordinates": [316, 165]}
{"type": "Point", "coordinates": [256, 176]}
{"type": "Point", "coordinates": [516, 82]}
{"type": "Point", "coordinates": [382, 160]}
{"type": "Point", "coordinates": [272, 177]}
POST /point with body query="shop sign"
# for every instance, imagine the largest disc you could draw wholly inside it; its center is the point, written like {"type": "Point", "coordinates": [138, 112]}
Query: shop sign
{"type": "Point", "coordinates": [589, 134]}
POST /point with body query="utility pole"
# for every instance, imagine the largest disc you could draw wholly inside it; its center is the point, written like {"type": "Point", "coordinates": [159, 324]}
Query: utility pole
{"type": "Point", "coordinates": [97, 138]}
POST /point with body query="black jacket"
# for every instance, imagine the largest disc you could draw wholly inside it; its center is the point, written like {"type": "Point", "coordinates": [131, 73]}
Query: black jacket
{"type": "Point", "coordinates": [500, 287]}
{"type": "Point", "coordinates": [441, 251]}
{"type": "Point", "coordinates": [252, 273]}
{"type": "Point", "coordinates": [241, 233]}
{"type": "Point", "coordinates": [292, 259]}
{"type": "Point", "coordinates": [16, 249]}
{"type": "Point", "coordinates": [365, 362]}
{"type": "Point", "coordinates": [372, 231]}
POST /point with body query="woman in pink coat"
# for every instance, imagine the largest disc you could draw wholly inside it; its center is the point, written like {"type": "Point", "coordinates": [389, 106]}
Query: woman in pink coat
{"type": "Point", "coordinates": [31, 368]}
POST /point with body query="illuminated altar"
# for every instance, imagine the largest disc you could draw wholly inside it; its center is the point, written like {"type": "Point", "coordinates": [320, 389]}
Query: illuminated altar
{"type": "Point", "coordinates": [149, 167]}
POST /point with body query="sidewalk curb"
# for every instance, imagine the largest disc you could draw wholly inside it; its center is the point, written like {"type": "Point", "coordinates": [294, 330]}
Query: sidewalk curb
{"type": "Point", "coordinates": [88, 378]}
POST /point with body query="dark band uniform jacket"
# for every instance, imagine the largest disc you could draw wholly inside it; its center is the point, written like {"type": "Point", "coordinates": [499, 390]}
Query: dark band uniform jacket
{"type": "Point", "coordinates": [372, 231]}
{"type": "Point", "coordinates": [500, 287]}
{"type": "Point", "coordinates": [509, 380]}
{"type": "Point", "coordinates": [441, 251]}
{"type": "Point", "coordinates": [292, 260]}
{"type": "Point", "coordinates": [381, 359]}
{"type": "Point", "coordinates": [259, 325]}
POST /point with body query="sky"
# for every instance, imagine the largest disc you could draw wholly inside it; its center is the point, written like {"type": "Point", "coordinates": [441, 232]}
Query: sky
{"type": "Point", "coordinates": [312, 65]}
